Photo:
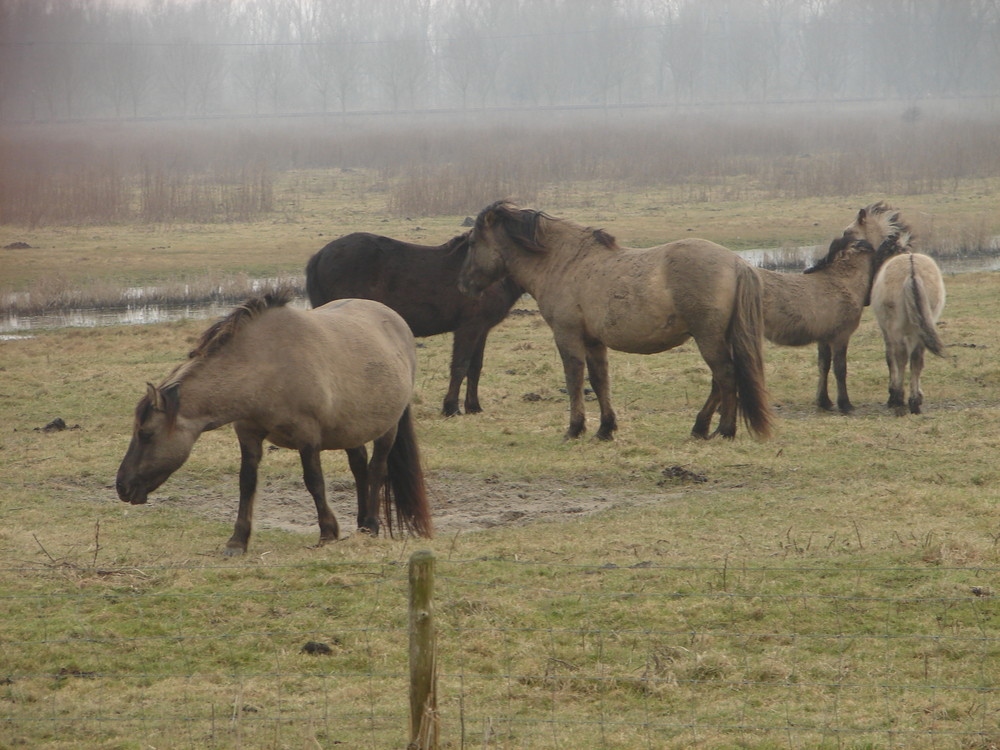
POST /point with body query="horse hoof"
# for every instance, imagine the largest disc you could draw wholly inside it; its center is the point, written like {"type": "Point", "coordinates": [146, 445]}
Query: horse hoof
{"type": "Point", "coordinates": [233, 551]}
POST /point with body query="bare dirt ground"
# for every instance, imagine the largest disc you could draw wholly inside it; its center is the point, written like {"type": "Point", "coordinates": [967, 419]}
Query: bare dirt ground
{"type": "Point", "coordinates": [459, 502]}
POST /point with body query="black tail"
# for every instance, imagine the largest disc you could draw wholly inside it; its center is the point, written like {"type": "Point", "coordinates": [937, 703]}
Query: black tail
{"type": "Point", "coordinates": [746, 338]}
{"type": "Point", "coordinates": [405, 482]}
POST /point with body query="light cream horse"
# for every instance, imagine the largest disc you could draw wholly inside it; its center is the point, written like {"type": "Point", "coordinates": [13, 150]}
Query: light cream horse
{"type": "Point", "coordinates": [824, 304]}
{"type": "Point", "coordinates": [596, 295]}
{"type": "Point", "coordinates": [336, 377]}
{"type": "Point", "coordinates": [908, 297]}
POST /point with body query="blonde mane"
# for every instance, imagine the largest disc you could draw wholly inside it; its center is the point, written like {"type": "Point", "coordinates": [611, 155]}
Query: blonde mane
{"type": "Point", "coordinates": [889, 223]}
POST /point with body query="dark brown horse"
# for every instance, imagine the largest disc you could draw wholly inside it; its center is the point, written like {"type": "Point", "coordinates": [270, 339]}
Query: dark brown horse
{"type": "Point", "coordinates": [336, 377]}
{"type": "Point", "coordinates": [420, 282]}
{"type": "Point", "coordinates": [824, 305]}
{"type": "Point", "coordinates": [596, 295]}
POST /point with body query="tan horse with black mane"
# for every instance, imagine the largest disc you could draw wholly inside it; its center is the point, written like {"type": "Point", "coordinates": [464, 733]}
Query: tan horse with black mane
{"type": "Point", "coordinates": [824, 304]}
{"type": "Point", "coordinates": [596, 295]}
{"type": "Point", "coordinates": [336, 377]}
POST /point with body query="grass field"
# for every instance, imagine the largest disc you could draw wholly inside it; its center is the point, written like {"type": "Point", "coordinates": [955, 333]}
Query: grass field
{"type": "Point", "coordinates": [832, 587]}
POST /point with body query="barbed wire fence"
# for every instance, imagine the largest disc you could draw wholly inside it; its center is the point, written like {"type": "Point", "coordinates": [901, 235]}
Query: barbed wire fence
{"type": "Point", "coordinates": [528, 655]}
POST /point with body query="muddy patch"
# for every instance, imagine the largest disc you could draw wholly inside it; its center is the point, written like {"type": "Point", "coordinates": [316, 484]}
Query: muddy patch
{"type": "Point", "coordinates": [459, 502]}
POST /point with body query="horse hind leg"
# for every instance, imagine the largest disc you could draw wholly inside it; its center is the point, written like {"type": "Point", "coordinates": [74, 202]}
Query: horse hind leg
{"type": "Point", "coordinates": [895, 358]}
{"type": "Point", "coordinates": [916, 399]}
{"type": "Point", "coordinates": [357, 460]}
{"type": "Point", "coordinates": [377, 482]}
{"type": "Point", "coordinates": [312, 475]}
{"type": "Point", "coordinates": [704, 419]}
{"type": "Point", "coordinates": [723, 394]}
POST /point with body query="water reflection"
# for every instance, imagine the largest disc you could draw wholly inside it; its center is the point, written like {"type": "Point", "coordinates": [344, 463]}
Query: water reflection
{"type": "Point", "coordinates": [792, 259]}
{"type": "Point", "coordinates": [135, 315]}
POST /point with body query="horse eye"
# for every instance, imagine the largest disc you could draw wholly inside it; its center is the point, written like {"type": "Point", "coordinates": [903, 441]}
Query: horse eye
{"type": "Point", "coordinates": [145, 437]}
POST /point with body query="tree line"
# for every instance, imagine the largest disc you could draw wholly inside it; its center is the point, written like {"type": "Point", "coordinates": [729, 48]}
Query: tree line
{"type": "Point", "coordinates": [79, 59]}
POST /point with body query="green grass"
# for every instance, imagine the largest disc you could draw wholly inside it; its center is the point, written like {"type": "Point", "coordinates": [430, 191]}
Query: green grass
{"type": "Point", "coordinates": [816, 591]}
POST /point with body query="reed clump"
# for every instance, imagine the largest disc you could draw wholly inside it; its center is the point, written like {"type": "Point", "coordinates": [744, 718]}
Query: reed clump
{"type": "Point", "coordinates": [225, 171]}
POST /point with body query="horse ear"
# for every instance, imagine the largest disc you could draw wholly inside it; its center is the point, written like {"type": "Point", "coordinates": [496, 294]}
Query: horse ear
{"type": "Point", "coordinates": [171, 400]}
{"type": "Point", "coordinates": [862, 215]}
{"type": "Point", "coordinates": [155, 399]}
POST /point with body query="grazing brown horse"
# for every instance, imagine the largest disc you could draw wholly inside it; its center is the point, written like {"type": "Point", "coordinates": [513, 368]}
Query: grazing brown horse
{"type": "Point", "coordinates": [336, 377]}
{"type": "Point", "coordinates": [908, 297]}
{"type": "Point", "coordinates": [596, 295]}
{"type": "Point", "coordinates": [824, 304]}
{"type": "Point", "coordinates": [419, 282]}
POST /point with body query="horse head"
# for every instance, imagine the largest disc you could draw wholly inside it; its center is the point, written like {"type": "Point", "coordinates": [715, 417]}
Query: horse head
{"type": "Point", "coordinates": [878, 223]}
{"type": "Point", "coordinates": [844, 247]}
{"type": "Point", "coordinates": [160, 444]}
{"type": "Point", "coordinates": [500, 228]}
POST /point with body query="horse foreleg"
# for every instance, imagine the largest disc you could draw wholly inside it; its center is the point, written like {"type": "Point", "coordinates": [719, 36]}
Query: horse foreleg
{"type": "Point", "coordinates": [357, 459]}
{"type": "Point", "coordinates": [916, 367]}
{"type": "Point", "coordinates": [460, 353]}
{"type": "Point", "coordinates": [377, 481]}
{"type": "Point", "coordinates": [472, 405]}
{"type": "Point", "coordinates": [597, 369]}
{"type": "Point", "coordinates": [312, 474]}
{"type": "Point", "coordinates": [573, 358]}
{"type": "Point", "coordinates": [251, 452]}
{"type": "Point", "coordinates": [824, 357]}
{"type": "Point", "coordinates": [840, 373]}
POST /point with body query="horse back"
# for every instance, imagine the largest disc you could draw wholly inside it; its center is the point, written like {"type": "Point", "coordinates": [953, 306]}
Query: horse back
{"type": "Point", "coordinates": [419, 282]}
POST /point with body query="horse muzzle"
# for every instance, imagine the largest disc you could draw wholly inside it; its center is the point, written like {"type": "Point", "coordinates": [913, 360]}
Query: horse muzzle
{"type": "Point", "coordinates": [131, 494]}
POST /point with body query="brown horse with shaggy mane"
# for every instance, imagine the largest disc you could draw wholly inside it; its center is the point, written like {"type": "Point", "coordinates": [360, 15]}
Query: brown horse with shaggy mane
{"type": "Point", "coordinates": [824, 304]}
{"type": "Point", "coordinates": [333, 378]}
{"type": "Point", "coordinates": [596, 295]}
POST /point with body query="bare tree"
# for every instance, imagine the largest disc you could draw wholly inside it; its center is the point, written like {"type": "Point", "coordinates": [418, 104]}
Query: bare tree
{"type": "Point", "coordinates": [476, 38]}
{"type": "Point", "coordinates": [334, 44]}
{"type": "Point", "coordinates": [683, 48]}
{"type": "Point", "coordinates": [402, 58]}
{"type": "Point", "coordinates": [191, 62]}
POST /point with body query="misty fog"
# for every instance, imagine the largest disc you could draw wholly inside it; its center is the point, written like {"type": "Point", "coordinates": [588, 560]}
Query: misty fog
{"type": "Point", "coordinates": [83, 59]}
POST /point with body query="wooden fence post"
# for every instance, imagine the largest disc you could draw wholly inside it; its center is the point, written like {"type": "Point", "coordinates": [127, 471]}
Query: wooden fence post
{"type": "Point", "coordinates": [423, 654]}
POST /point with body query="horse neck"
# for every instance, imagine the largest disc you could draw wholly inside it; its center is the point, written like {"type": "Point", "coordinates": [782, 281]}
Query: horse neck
{"type": "Point", "coordinates": [534, 270]}
{"type": "Point", "coordinates": [213, 392]}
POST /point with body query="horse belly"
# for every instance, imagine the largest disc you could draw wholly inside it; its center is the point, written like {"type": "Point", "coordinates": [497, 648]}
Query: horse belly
{"type": "Point", "coordinates": [640, 319]}
{"type": "Point", "coordinates": [641, 334]}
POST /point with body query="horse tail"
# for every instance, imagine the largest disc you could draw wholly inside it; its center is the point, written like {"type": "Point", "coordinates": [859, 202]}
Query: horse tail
{"type": "Point", "coordinates": [919, 312]}
{"type": "Point", "coordinates": [746, 341]}
{"type": "Point", "coordinates": [405, 482]}
{"type": "Point", "coordinates": [313, 285]}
